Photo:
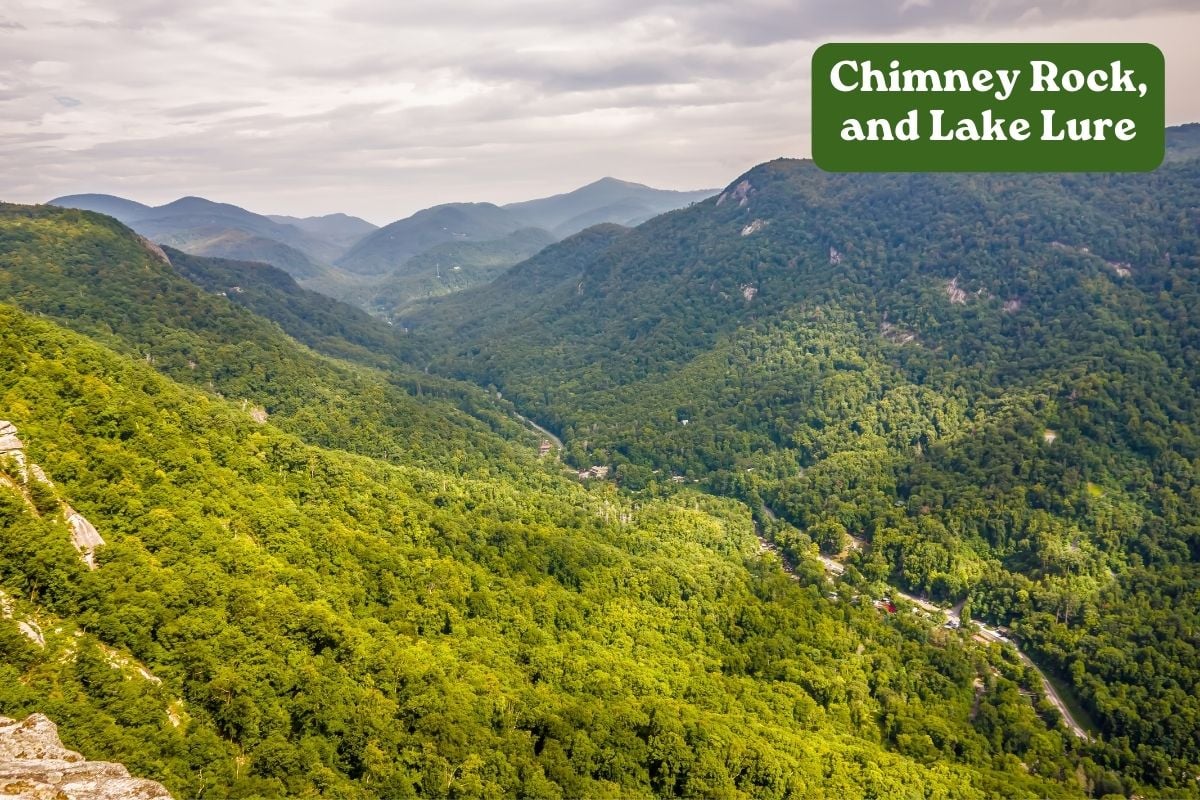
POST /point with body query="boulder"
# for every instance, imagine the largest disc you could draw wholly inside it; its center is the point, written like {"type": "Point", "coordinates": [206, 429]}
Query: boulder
{"type": "Point", "coordinates": [34, 765]}
{"type": "Point", "coordinates": [8, 438]}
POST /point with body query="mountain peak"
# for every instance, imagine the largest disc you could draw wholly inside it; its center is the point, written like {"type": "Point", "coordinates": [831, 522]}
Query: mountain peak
{"type": "Point", "coordinates": [608, 199]}
{"type": "Point", "coordinates": [192, 202]}
{"type": "Point", "coordinates": [608, 180]}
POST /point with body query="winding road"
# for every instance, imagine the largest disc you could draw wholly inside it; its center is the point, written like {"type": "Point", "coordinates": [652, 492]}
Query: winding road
{"type": "Point", "coordinates": [992, 635]}
{"type": "Point", "coordinates": [557, 442]}
{"type": "Point", "coordinates": [1053, 695]}
{"type": "Point", "coordinates": [835, 568]}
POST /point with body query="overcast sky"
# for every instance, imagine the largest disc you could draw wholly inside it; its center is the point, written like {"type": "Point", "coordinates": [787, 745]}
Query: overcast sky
{"type": "Point", "coordinates": [382, 107]}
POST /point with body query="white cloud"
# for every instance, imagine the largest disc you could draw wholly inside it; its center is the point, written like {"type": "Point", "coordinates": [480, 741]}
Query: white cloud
{"type": "Point", "coordinates": [379, 108]}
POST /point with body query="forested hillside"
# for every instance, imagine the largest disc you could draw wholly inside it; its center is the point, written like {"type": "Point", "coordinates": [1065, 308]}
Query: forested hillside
{"type": "Point", "coordinates": [324, 324]}
{"type": "Point", "coordinates": [92, 274]}
{"type": "Point", "coordinates": [223, 230]}
{"type": "Point", "coordinates": [386, 249]}
{"type": "Point", "coordinates": [451, 267]}
{"type": "Point", "coordinates": [368, 586]}
{"type": "Point", "coordinates": [990, 380]}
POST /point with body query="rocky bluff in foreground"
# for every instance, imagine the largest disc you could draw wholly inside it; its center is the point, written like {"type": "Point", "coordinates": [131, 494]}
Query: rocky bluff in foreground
{"type": "Point", "coordinates": [35, 764]}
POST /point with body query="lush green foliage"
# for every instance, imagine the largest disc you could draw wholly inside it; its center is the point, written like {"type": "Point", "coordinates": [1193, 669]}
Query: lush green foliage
{"type": "Point", "coordinates": [993, 379]}
{"type": "Point", "coordinates": [92, 275]}
{"type": "Point", "coordinates": [451, 267]}
{"type": "Point", "coordinates": [324, 324]}
{"type": "Point", "coordinates": [385, 250]}
{"type": "Point", "coordinates": [336, 625]}
{"type": "Point", "coordinates": [468, 622]}
{"type": "Point", "coordinates": [553, 272]}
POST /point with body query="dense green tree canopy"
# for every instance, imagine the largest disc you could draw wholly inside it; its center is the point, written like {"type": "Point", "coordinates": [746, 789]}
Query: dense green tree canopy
{"type": "Point", "coordinates": [352, 575]}
{"type": "Point", "coordinates": [447, 617]}
{"type": "Point", "coordinates": [991, 381]}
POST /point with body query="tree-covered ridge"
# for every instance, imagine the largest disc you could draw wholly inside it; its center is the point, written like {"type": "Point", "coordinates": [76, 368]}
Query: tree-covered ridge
{"type": "Point", "coordinates": [328, 326]}
{"type": "Point", "coordinates": [884, 245]}
{"type": "Point", "coordinates": [544, 278]}
{"type": "Point", "coordinates": [452, 267]}
{"type": "Point", "coordinates": [990, 379]}
{"type": "Point", "coordinates": [607, 200]}
{"type": "Point", "coordinates": [335, 625]}
{"type": "Point", "coordinates": [222, 230]}
{"type": "Point", "coordinates": [92, 274]}
{"type": "Point", "coordinates": [383, 251]}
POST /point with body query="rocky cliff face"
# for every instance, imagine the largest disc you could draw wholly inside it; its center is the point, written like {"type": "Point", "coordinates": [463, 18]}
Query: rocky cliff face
{"type": "Point", "coordinates": [84, 535]}
{"type": "Point", "coordinates": [12, 447]}
{"type": "Point", "coordinates": [34, 765]}
{"type": "Point", "coordinates": [60, 641]}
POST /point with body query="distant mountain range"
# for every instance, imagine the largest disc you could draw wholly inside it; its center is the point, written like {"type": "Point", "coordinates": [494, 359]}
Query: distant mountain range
{"type": "Point", "coordinates": [435, 251]}
{"type": "Point", "coordinates": [302, 247]}
{"type": "Point", "coordinates": [387, 249]}
{"type": "Point", "coordinates": [453, 266]}
{"type": "Point", "coordinates": [340, 229]}
{"type": "Point", "coordinates": [606, 200]}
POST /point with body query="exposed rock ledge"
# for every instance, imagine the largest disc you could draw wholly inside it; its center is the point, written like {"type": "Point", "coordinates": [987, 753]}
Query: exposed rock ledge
{"type": "Point", "coordinates": [84, 535]}
{"type": "Point", "coordinates": [155, 250]}
{"type": "Point", "coordinates": [34, 765]}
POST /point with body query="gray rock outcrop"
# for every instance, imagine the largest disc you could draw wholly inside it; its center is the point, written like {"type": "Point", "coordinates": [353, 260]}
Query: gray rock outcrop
{"type": "Point", "coordinates": [12, 447]}
{"type": "Point", "coordinates": [34, 765]}
{"type": "Point", "coordinates": [84, 535]}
